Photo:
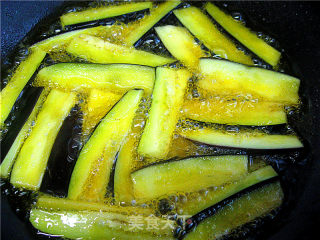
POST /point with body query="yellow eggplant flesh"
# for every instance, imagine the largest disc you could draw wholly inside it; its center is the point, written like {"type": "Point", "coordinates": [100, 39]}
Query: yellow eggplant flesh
{"type": "Point", "coordinates": [99, 225]}
{"type": "Point", "coordinates": [181, 44]}
{"type": "Point", "coordinates": [242, 139]}
{"type": "Point", "coordinates": [167, 99]}
{"type": "Point", "coordinates": [135, 30]}
{"type": "Point", "coordinates": [214, 196]}
{"type": "Point", "coordinates": [47, 202]}
{"type": "Point", "coordinates": [200, 25]}
{"type": "Point", "coordinates": [97, 50]}
{"type": "Point", "coordinates": [91, 173]}
{"type": "Point", "coordinates": [19, 79]}
{"type": "Point", "coordinates": [61, 41]}
{"type": "Point", "coordinates": [228, 78]}
{"type": "Point", "coordinates": [32, 159]}
{"type": "Point", "coordinates": [257, 203]}
{"type": "Point", "coordinates": [8, 161]}
{"type": "Point", "coordinates": [123, 189]}
{"type": "Point", "coordinates": [98, 104]}
{"type": "Point", "coordinates": [248, 38]}
{"type": "Point", "coordinates": [113, 77]}
{"type": "Point", "coordinates": [187, 175]}
{"type": "Point", "coordinates": [92, 14]}
{"type": "Point", "coordinates": [234, 111]}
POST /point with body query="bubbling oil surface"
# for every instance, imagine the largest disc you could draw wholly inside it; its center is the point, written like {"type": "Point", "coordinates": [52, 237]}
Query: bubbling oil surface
{"type": "Point", "coordinates": [70, 139]}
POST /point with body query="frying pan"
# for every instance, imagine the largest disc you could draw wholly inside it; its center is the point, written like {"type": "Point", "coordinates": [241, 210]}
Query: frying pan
{"type": "Point", "coordinates": [296, 25]}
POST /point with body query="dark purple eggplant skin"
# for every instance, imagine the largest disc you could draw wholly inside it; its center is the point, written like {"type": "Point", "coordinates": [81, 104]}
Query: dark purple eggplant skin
{"type": "Point", "coordinates": [296, 26]}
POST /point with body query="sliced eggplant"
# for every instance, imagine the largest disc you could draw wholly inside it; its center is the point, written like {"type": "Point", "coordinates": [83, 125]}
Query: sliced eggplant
{"type": "Point", "coordinates": [244, 35]}
{"type": "Point", "coordinates": [193, 205]}
{"type": "Point", "coordinates": [19, 79]}
{"type": "Point", "coordinates": [96, 50]}
{"type": "Point", "coordinates": [181, 44]}
{"type": "Point", "coordinates": [98, 104]}
{"type": "Point", "coordinates": [241, 139]}
{"type": "Point", "coordinates": [188, 175]}
{"type": "Point", "coordinates": [31, 162]}
{"type": "Point", "coordinates": [228, 78]}
{"type": "Point", "coordinates": [112, 77]}
{"type": "Point", "coordinates": [123, 189]}
{"type": "Point", "coordinates": [135, 30]}
{"type": "Point", "coordinates": [102, 12]}
{"type": "Point", "coordinates": [91, 173]}
{"type": "Point", "coordinates": [100, 225]}
{"type": "Point", "coordinates": [61, 41]}
{"type": "Point", "coordinates": [167, 99]}
{"type": "Point", "coordinates": [46, 202]}
{"type": "Point", "coordinates": [11, 156]}
{"type": "Point", "coordinates": [234, 111]}
{"type": "Point", "coordinates": [257, 203]}
{"type": "Point", "coordinates": [203, 28]}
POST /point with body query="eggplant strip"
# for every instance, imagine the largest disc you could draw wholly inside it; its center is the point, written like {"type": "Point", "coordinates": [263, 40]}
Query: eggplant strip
{"type": "Point", "coordinates": [50, 203]}
{"type": "Point", "coordinates": [167, 99]}
{"type": "Point", "coordinates": [228, 78]}
{"type": "Point", "coordinates": [234, 111]}
{"type": "Point", "coordinates": [187, 175]}
{"type": "Point", "coordinates": [135, 30]}
{"type": "Point", "coordinates": [244, 35]}
{"type": "Point", "coordinates": [31, 162]}
{"type": "Point", "coordinates": [181, 44]}
{"type": "Point", "coordinates": [92, 14]}
{"type": "Point", "coordinates": [20, 78]}
{"type": "Point", "coordinates": [200, 25]}
{"type": "Point", "coordinates": [242, 139]}
{"type": "Point", "coordinates": [212, 197]}
{"type": "Point", "coordinates": [96, 50]}
{"type": "Point", "coordinates": [117, 78]}
{"type": "Point", "coordinates": [62, 40]}
{"type": "Point", "coordinates": [123, 185]}
{"type": "Point", "coordinates": [99, 225]}
{"type": "Point", "coordinates": [91, 173]}
{"type": "Point", "coordinates": [245, 209]}
{"type": "Point", "coordinates": [98, 104]}
{"type": "Point", "coordinates": [11, 156]}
